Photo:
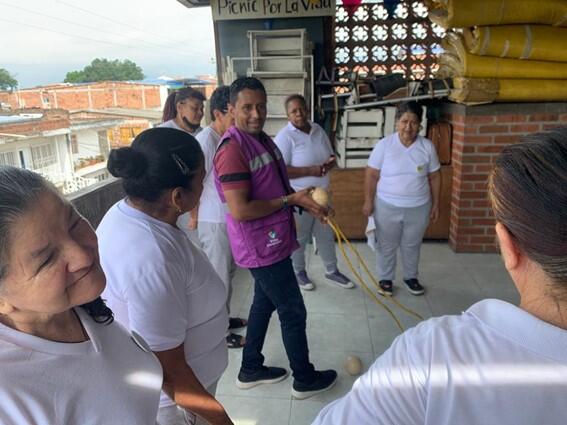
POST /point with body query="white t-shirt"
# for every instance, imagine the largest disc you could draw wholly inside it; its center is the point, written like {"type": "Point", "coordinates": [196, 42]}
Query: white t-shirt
{"type": "Point", "coordinates": [494, 364]}
{"type": "Point", "coordinates": [164, 288]}
{"type": "Point", "coordinates": [108, 379]}
{"type": "Point", "coordinates": [211, 209]}
{"type": "Point", "coordinates": [404, 171]}
{"type": "Point", "coordinates": [304, 150]}
{"type": "Point", "coordinates": [173, 124]}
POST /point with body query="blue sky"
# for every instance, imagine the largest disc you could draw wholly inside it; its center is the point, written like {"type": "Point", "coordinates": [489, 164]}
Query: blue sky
{"type": "Point", "coordinates": [40, 41]}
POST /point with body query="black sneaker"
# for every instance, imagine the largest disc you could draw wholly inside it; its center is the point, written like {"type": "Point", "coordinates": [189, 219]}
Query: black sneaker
{"type": "Point", "coordinates": [266, 375]}
{"type": "Point", "coordinates": [324, 380]}
{"type": "Point", "coordinates": [387, 286]}
{"type": "Point", "coordinates": [414, 286]}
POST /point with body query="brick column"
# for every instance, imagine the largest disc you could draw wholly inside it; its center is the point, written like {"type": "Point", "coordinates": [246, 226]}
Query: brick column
{"type": "Point", "coordinates": [479, 133]}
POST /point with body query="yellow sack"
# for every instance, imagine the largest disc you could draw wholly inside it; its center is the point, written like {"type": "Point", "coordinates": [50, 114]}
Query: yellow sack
{"type": "Point", "coordinates": [488, 90]}
{"type": "Point", "coordinates": [535, 42]}
{"type": "Point", "coordinates": [455, 61]}
{"type": "Point", "coordinates": [469, 13]}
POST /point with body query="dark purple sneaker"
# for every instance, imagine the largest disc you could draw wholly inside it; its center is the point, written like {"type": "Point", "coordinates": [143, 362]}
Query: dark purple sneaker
{"type": "Point", "coordinates": [340, 279]}
{"type": "Point", "coordinates": [304, 281]}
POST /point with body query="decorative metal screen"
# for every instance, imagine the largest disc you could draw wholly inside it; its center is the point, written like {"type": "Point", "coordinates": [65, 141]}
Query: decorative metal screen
{"type": "Point", "coordinates": [369, 40]}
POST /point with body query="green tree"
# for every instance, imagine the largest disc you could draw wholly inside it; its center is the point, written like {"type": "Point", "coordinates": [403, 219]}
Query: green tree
{"type": "Point", "coordinates": [7, 81]}
{"type": "Point", "coordinates": [105, 70]}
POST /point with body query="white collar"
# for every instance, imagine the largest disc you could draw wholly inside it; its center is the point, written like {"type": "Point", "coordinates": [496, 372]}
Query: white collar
{"type": "Point", "coordinates": [524, 329]}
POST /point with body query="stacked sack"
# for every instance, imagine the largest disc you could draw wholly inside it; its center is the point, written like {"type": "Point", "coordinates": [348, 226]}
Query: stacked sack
{"type": "Point", "coordinates": [503, 50]}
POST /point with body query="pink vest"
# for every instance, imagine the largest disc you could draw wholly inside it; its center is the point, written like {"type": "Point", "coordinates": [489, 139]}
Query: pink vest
{"type": "Point", "coordinates": [270, 239]}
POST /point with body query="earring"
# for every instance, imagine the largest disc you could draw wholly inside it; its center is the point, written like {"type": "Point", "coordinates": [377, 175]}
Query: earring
{"type": "Point", "coordinates": [179, 210]}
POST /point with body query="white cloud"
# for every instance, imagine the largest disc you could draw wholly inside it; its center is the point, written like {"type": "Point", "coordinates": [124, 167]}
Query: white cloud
{"type": "Point", "coordinates": [156, 34]}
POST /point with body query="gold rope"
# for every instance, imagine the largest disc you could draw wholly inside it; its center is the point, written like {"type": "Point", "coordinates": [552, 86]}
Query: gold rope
{"type": "Point", "coordinates": [340, 237]}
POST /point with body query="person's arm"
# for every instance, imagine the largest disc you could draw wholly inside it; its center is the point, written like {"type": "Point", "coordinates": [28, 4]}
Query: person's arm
{"type": "Point", "coordinates": [157, 310]}
{"type": "Point", "coordinates": [312, 171]}
{"type": "Point", "coordinates": [181, 384]}
{"type": "Point", "coordinates": [235, 175]}
{"type": "Point", "coordinates": [285, 145]}
{"type": "Point", "coordinates": [435, 185]}
{"type": "Point", "coordinates": [371, 177]}
{"type": "Point", "coordinates": [242, 208]}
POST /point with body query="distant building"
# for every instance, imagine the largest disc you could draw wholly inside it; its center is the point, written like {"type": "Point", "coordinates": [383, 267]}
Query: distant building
{"type": "Point", "coordinates": [104, 94]}
{"type": "Point", "coordinates": [38, 140]}
{"type": "Point", "coordinates": [69, 149]}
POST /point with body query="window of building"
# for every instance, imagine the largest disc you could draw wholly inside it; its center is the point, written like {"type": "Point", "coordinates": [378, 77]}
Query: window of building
{"type": "Point", "coordinates": [9, 158]}
{"type": "Point", "coordinates": [43, 156]}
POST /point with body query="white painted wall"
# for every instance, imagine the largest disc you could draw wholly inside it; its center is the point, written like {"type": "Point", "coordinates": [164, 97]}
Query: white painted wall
{"type": "Point", "coordinates": [87, 141]}
{"type": "Point", "coordinates": [57, 172]}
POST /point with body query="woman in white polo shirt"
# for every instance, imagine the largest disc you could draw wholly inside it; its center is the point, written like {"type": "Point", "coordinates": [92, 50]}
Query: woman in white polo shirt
{"type": "Point", "coordinates": [401, 190]}
{"type": "Point", "coordinates": [308, 154]}
{"type": "Point", "coordinates": [62, 358]}
{"type": "Point", "coordinates": [496, 363]}
{"type": "Point", "coordinates": [159, 284]}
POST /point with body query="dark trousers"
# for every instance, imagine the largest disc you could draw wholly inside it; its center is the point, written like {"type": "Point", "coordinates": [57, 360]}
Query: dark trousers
{"type": "Point", "coordinates": [275, 288]}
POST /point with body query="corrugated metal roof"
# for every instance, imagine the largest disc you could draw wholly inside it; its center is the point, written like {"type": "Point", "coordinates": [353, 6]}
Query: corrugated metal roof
{"type": "Point", "coordinates": [9, 119]}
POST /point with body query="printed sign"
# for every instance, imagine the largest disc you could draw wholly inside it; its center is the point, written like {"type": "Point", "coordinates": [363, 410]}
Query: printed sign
{"type": "Point", "coordinates": [262, 9]}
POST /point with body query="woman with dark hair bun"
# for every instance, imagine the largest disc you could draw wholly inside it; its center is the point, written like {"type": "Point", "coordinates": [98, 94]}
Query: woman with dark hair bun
{"type": "Point", "coordinates": [63, 359]}
{"type": "Point", "coordinates": [159, 284]}
{"type": "Point", "coordinates": [496, 363]}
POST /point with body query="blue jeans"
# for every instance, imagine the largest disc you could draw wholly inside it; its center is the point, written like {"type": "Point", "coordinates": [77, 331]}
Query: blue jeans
{"type": "Point", "coordinates": [276, 288]}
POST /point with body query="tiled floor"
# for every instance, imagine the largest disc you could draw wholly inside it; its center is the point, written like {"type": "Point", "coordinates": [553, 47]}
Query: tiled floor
{"type": "Point", "coordinates": [342, 322]}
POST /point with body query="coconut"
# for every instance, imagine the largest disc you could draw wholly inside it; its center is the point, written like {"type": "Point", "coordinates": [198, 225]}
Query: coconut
{"type": "Point", "coordinates": [320, 196]}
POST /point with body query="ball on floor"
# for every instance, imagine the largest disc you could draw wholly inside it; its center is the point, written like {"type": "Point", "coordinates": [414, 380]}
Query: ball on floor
{"type": "Point", "coordinates": [353, 365]}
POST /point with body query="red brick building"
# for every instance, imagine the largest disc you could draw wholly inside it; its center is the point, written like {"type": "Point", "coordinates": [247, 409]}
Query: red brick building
{"type": "Point", "coordinates": [106, 94]}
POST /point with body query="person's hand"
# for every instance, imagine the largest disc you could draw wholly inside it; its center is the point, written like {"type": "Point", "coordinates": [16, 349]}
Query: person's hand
{"type": "Point", "coordinates": [193, 223]}
{"type": "Point", "coordinates": [316, 170]}
{"type": "Point", "coordinates": [329, 164]}
{"type": "Point", "coordinates": [303, 199]}
{"type": "Point", "coordinates": [434, 214]}
{"type": "Point", "coordinates": [367, 208]}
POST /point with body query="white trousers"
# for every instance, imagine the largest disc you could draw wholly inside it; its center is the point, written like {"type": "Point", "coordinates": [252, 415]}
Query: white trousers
{"type": "Point", "coordinates": [402, 228]}
{"type": "Point", "coordinates": [175, 415]}
{"type": "Point", "coordinates": [214, 241]}
{"type": "Point", "coordinates": [307, 225]}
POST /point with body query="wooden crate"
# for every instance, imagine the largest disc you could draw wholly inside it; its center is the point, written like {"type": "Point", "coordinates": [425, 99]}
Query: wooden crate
{"type": "Point", "coordinates": [348, 196]}
{"type": "Point", "coordinates": [347, 191]}
{"type": "Point", "coordinates": [440, 229]}
{"type": "Point", "coordinates": [362, 124]}
{"type": "Point", "coordinates": [354, 152]}
{"type": "Point", "coordinates": [286, 42]}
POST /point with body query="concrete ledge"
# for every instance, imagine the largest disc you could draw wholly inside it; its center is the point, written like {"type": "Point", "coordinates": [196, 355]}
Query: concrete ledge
{"type": "Point", "coordinates": [94, 201]}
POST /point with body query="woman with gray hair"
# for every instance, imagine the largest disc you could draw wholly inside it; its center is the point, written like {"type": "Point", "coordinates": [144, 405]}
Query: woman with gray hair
{"type": "Point", "coordinates": [496, 363]}
{"type": "Point", "coordinates": [64, 360]}
{"type": "Point", "coordinates": [401, 191]}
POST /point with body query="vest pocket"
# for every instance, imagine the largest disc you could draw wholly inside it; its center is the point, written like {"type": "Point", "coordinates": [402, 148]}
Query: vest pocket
{"type": "Point", "coordinates": [272, 235]}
